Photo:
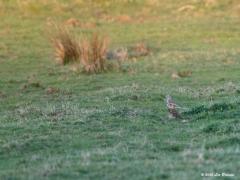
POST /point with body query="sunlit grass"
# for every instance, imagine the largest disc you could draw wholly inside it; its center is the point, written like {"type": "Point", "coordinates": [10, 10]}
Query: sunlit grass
{"type": "Point", "coordinates": [61, 124]}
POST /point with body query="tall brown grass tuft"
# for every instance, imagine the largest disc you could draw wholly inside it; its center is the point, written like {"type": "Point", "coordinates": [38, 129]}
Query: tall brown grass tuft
{"type": "Point", "coordinates": [89, 53]}
{"type": "Point", "coordinates": [66, 45]}
{"type": "Point", "coordinates": [93, 52]}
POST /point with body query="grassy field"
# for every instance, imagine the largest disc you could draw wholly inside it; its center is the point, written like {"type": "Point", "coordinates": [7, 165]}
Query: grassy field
{"type": "Point", "coordinates": [56, 123]}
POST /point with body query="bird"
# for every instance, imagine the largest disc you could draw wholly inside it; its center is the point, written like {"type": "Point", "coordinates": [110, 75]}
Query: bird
{"type": "Point", "coordinates": [172, 108]}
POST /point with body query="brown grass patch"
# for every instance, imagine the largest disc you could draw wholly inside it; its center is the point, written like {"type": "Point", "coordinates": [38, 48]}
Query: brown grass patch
{"type": "Point", "coordinates": [87, 53]}
{"type": "Point", "coordinates": [93, 53]}
{"type": "Point", "coordinates": [65, 44]}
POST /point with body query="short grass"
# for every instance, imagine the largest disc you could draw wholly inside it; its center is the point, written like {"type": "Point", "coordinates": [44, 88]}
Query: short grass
{"type": "Point", "coordinates": [114, 125]}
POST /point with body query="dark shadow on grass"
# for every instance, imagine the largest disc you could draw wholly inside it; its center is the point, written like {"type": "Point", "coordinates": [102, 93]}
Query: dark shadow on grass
{"type": "Point", "coordinates": [216, 111]}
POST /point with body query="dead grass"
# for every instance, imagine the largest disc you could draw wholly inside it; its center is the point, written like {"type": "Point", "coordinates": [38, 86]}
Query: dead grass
{"type": "Point", "coordinates": [65, 44]}
{"type": "Point", "coordinates": [89, 54]}
{"type": "Point", "coordinates": [93, 53]}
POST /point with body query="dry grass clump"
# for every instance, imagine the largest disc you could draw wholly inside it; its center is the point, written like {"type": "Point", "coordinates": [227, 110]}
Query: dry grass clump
{"type": "Point", "coordinates": [89, 54]}
{"type": "Point", "coordinates": [93, 52]}
{"type": "Point", "coordinates": [66, 45]}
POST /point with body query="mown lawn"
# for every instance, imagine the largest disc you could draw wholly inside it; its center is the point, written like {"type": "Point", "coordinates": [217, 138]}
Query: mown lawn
{"type": "Point", "coordinates": [59, 124]}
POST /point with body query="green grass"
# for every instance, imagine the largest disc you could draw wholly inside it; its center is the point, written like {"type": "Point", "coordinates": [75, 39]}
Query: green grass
{"type": "Point", "coordinates": [114, 125]}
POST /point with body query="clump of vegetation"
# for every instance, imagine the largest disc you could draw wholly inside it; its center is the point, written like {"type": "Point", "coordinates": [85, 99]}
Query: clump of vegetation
{"type": "Point", "coordinates": [90, 53]}
{"type": "Point", "coordinates": [66, 45]}
{"type": "Point", "coordinates": [93, 52]}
